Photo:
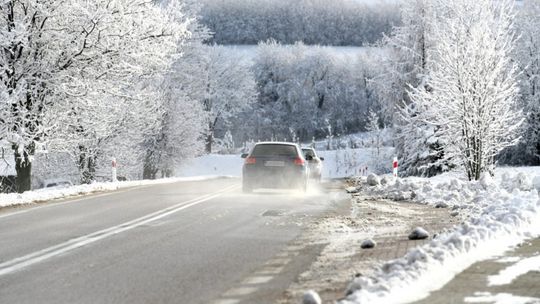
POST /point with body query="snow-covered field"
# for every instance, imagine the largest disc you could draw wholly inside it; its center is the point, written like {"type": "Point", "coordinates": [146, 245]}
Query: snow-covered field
{"type": "Point", "coordinates": [249, 52]}
{"type": "Point", "coordinates": [498, 214]}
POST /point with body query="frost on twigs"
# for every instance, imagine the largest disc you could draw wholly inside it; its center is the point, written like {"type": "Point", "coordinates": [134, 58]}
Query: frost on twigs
{"type": "Point", "coordinates": [311, 297]}
{"type": "Point", "coordinates": [368, 244]}
{"type": "Point", "coordinates": [418, 234]}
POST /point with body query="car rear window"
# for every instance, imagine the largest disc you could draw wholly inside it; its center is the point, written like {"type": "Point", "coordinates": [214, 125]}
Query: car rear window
{"type": "Point", "coordinates": [308, 152]}
{"type": "Point", "coordinates": [270, 150]}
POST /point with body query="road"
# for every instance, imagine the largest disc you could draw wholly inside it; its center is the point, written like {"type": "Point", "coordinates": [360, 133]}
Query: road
{"type": "Point", "coordinates": [511, 278]}
{"type": "Point", "coordinates": [188, 242]}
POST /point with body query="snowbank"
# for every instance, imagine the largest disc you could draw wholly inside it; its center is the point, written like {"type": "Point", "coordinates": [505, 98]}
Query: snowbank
{"type": "Point", "coordinates": [47, 194]}
{"type": "Point", "coordinates": [499, 213]}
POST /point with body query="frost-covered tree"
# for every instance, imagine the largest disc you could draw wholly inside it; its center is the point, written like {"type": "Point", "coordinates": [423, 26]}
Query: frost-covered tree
{"type": "Point", "coordinates": [313, 22]}
{"type": "Point", "coordinates": [407, 60]}
{"type": "Point", "coordinates": [527, 56]}
{"type": "Point", "coordinates": [303, 87]}
{"type": "Point", "coordinates": [406, 65]}
{"type": "Point", "coordinates": [176, 137]}
{"type": "Point", "coordinates": [220, 80]}
{"type": "Point", "coordinates": [420, 148]}
{"type": "Point", "coordinates": [471, 93]}
{"type": "Point", "coordinates": [177, 130]}
{"type": "Point", "coordinates": [373, 126]}
{"type": "Point", "coordinates": [59, 58]}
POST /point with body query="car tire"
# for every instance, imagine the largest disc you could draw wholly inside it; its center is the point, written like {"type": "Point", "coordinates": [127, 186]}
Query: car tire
{"type": "Point", "coordinates": [303, 185]}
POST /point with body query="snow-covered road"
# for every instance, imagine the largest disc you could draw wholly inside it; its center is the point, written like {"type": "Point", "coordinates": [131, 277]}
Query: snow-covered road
{"type": "Point", "coordinates": [185, 242]}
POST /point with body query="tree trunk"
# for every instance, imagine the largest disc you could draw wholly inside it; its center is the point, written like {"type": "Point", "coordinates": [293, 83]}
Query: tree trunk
{"type": "Point", "coordinates": [23, 166]}
{"type": "Point", "coordinates": [150, 169]}
{"type": "Point", "coordinates": [149, 172]}
{"type": "Point", "coordinates": [166, 173]}
{"type": "Point", "coordinates": [209, 142]}
{"type": "Point", "coordinates": [87, 165]}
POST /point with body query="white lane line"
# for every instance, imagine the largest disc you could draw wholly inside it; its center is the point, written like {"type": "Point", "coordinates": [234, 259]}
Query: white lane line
{"type": "Point", "coordinates": [271, 270]}
{"type": "Point", "coordinates": [240, 291]}
{"type": "Point", "coordinates": [226, 301]}
{"type": "Point", "coordinates": [279, 261]}
{"type": "Point", "coordinates": [257, 280]}
{"type": "Point", "coordinates": [47, 253]}
{"type": "Point", "coordinates": [295, 248]}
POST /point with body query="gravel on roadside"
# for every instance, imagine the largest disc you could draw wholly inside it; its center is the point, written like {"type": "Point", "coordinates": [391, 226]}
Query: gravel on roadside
{"type": "Point", "coordinates": [386, 222]}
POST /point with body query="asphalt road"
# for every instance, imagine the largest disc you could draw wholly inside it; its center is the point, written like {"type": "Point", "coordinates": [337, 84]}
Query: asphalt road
{"type": "Point", "coordinates": [188, 242]}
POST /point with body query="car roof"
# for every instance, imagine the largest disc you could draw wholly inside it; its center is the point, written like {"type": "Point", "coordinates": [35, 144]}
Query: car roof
{"type": "Point", "coordinates": [276, 143]}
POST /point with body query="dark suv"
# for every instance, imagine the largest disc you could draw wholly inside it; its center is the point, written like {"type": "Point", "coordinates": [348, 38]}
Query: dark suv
{"type": "Point", "coordinates": [274, 165]}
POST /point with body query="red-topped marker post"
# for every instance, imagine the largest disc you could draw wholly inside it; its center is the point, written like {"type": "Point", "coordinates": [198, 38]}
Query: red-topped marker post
{"type": "Point", "coordinates": [113, 164]}
{"type": "Point", "coordinates": [395, 166]}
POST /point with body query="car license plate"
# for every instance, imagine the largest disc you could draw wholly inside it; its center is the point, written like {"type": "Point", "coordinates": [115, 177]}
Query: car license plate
{"type": "Point", "coordinates": [273, 163]}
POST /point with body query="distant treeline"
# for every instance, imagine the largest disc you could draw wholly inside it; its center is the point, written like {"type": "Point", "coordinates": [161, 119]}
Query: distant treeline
{"type": "Point", "coordinates": [337, 22]}
{"type": "Point", "coordinates": [306, 92]}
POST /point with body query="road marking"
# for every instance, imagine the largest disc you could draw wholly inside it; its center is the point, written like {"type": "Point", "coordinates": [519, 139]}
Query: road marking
{"type": "Point", "coordinates": [226, 301]}
{"type": "Point", "coordinates": [295, 248]}
{"type": "Point", "coordinates": [240, 291]}
{"type": "Point", "coordinates": [271, 270]}
{"type": "Point", "coordinates": [257, 280]}
{"type": "Point", "coordinates": [279, 261]}
{"type": "Point", "coordinates": [47, 253]}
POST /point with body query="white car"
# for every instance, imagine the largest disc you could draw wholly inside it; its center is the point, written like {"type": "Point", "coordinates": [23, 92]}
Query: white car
{"type": "Point", "coordinates": [57, 184]}
{"type": "Point", "coordinates": [315, 163]}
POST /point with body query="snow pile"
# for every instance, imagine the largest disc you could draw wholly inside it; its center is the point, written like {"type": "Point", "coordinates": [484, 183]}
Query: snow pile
{"type": "Point", "coordinates": [47, 194]}
{"type": "Point", "coordinates": [500, 214]}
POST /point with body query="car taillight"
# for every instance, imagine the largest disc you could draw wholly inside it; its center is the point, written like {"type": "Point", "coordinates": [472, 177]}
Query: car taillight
{"type": "Point", "coordinates": [251, 161]}
{"type": "Point", "coordinates": [299, 161]}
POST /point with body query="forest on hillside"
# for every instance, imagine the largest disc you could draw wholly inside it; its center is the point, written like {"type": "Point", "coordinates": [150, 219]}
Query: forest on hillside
{"type": "Point", "coordinates": [312, 22]}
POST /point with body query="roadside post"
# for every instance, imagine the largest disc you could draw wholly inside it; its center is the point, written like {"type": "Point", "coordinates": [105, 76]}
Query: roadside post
{"type": "Point", "coordinates": [113, 164]}
{"type": "Point", "coordinates": [395, 166]}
